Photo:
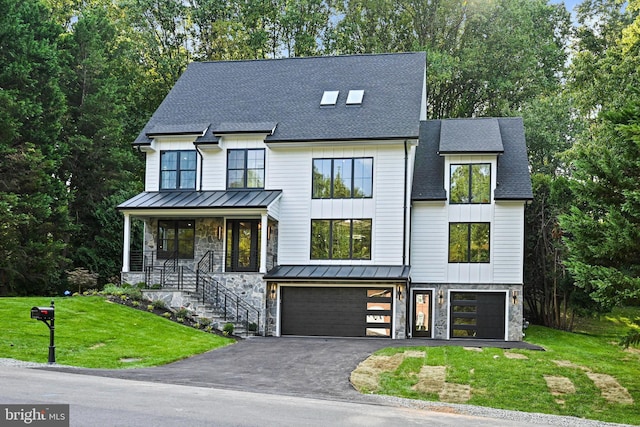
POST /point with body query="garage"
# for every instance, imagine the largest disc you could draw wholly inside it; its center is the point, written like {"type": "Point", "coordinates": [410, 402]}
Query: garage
{"type": "Point", "coordinates": [336, 311]}
{"type": "Point", "coordinates": [477, 315]}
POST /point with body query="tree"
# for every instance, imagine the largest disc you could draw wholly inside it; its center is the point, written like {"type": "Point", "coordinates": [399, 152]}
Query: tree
{"type": "Point", "coordinates": [483, 58]}
{"type": "Point", "coordinates": [604, 226]}
{"type": "Point", "coordinates": [101, 169]}
{"type": "Point", "coordinates": [32, 195]}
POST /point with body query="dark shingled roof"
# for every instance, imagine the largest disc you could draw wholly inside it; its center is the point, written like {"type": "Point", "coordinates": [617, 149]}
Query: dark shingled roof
{"type": "Point", "coordinates": [342, 272]}
{"type": "Point", "coordinates": [470, 136]}
{"type": "Point", "coordinates": [288, 92]}
{"type": "Point", "coordinates": [514, 182]}
{"type": "Point", "coordinates": [428, 173]}
{"type": "Point", "coordinates": [201, 199]}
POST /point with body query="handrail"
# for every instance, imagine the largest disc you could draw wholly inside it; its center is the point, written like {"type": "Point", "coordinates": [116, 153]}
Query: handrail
{"type": "Point", "coordinates": [222, 298]}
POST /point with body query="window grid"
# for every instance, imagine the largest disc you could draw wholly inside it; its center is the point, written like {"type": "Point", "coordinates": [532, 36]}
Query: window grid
{"type": "Point", "coordinates": [341, 238]}
{"type": "Point", "coordinates": [178, 170]}
{"type": "Point", "coordinates": [245, 168]}
{"type": "Point", "coordinates": [342, 178]}
{"type": "Point", "coordinates": [469, 242]}
{"type": "Point", "coordinates": [470, 183]}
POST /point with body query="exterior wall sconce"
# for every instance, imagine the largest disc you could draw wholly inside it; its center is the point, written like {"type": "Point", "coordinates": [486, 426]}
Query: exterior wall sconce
{"type": "Point", "coordinates": [514, 297]}
{"type": "Point", "coordinates": [400, 292]}
{"type": "Point", "coordinates": [440, 297]}
{"type": "Point", "coordinates": [269, 231]}
{"type": "Point", "coordinates": [219, 232]}
{"type": "Point", "coordinates": [272, 291]}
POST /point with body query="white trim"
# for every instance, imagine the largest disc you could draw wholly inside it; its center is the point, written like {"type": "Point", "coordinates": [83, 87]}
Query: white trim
{"type": "Point", "coordinates": [126, 243]}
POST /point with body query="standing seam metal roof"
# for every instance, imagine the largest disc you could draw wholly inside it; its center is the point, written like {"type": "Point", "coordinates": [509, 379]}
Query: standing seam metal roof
{"type": "Point", "coordinates": [201, 199]}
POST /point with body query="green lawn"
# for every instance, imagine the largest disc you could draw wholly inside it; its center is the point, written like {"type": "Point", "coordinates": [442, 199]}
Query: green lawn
{"type": "Point", "coordinates": [94, 333]}
{"type": "Point", "coordinates": [497, 381]}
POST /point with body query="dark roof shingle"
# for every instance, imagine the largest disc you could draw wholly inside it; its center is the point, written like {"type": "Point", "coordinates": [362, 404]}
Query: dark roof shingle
{"type": "Point", "coordinates": [288, 92]}
{"type": "Point", "coordinates": [513, 179]}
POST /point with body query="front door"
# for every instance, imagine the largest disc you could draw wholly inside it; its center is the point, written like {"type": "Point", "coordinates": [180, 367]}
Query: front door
{"type": "Point", "coordinates": [242, 245]}
{"type": "Point", "coordinates": [421, 314]}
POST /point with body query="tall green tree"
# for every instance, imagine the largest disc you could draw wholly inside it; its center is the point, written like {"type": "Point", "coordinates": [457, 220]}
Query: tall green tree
{"type": "Point", "coordinates": [604, 226]}
{"type": "Point", "coordinates": [100, 165]}
{"type": "Point", "coordinates": [483, 58]}
{"type": "Point", "coordinates": [32, 194]}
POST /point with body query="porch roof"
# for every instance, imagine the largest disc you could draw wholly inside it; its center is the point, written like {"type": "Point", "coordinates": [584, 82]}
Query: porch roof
{"type": "Point", "coordinates": [338, 272]}
{"type": "Point", "coordinates": [201, 199]}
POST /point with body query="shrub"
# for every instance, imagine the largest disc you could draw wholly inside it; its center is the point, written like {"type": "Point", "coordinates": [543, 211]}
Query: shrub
{"type": "Point", "coordinates": [150, 307]}
{"type": "Point", "coordinates": [136, 303]}
{"type": "Point", "coordinates": [228, 328]}
{"type": "Point", "coordinates": [253, 327]}
{"type": "Point", "coordinates": [159, 304]}
{"type": "Point", "coordinates": [204, 321]}
{"type": "Point", "coordinates": [167, 315]}
{"type": "Point", "coordinates": [182, 312]}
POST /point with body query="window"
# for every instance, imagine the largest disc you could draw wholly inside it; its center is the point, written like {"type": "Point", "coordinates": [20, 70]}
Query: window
{"type": "Point", "coordinates": [469, 242]}
{"type": "Point", "coordinates": [245, 168]}
{"type": "Point", "coordinates": [340, 239]}
{"type": "Point", "coordinates": [470, 183]}
{"type": "Point", "coordinates": [342, 178]}
{"type": "Point", "coordinates": [176, 239]}
{"type": "Point", "coordinates": [178, 170]}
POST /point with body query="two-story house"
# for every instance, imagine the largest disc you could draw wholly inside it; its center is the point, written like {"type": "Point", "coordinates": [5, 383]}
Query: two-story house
{"type": "Point", "coordinates": [315, 191]}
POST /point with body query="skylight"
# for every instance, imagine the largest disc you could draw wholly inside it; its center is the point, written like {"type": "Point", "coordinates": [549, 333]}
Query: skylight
{"type": "Point", "coordinates": [329, 97]}
{"type": "Point", "coordinates": [355, 97]}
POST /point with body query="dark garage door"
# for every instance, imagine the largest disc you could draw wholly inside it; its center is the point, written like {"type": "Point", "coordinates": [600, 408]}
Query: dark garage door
{"type": "Point", "coordinates": [336, 311]}
{"type": "Point", "coordinates": [477, 315]}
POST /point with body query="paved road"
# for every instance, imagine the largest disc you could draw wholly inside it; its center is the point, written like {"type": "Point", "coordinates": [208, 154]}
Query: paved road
{"type": "Point", "coordinates": [99, 401]}
{"type": "Point", "coordinates": [309, 367]}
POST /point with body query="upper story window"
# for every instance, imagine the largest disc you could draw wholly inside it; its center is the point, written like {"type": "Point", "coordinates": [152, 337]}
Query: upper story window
{"type": "Point", "coordinates": [245, 168]}
{"type": "Point", "coordinates": [340, 239]}
{"type": "Point", "coordinates": [178, 170]}
{"type": "Point", "coordinates": [350, 178]}
{"type": "Point", "coordinates": [470, 183]}
{"type": "Point", "coordinates": [469, 242]}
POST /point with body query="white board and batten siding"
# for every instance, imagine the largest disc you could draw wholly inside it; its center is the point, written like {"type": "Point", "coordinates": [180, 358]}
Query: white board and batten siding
{"type": "Point", "coordinates": [290, 169]}
{"type": "Point", "coordinates": [152, 163]}
{"type": "Point", "coordinates": [430, 237]}
{"type": "Point", "coordinates": [508, 242]}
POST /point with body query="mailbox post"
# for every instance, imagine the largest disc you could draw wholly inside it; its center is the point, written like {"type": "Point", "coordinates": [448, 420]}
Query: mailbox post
{"type": "Point", "coordinates": [47, 316]}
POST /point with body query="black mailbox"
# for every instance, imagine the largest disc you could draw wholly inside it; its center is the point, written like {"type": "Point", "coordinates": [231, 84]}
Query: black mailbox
{"type": "Point", "coordinates": [42, 313]}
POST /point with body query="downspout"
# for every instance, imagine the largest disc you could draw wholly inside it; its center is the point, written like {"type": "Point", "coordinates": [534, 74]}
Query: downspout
{"type": "Point", "coordinates": [407, 295]}
{"type": "Point", "coordinates": [201, 162]}
{"type": "Point", "coordinates": [404, 205]}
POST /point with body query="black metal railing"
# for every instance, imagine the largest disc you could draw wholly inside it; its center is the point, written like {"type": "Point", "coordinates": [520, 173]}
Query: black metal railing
{"type": "Point", "coordinates": [230, 305]}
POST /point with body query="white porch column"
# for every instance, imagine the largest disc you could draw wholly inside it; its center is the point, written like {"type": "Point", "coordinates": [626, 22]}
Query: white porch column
{"type": "Point", "coordinates": [127, 243]}
{"type": "Point", "coordinates": [263, 243]}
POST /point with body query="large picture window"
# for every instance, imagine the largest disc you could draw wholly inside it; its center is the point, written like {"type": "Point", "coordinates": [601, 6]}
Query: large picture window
{"type": "Point", "coordinates": [350, 178]}
{"type": "Point", "coordinates": [340, 239]}
{"type": "Point", "coordinates": [178, 170]}
{"type": "Point", "coordinates": [469, 242]}
{"type": "Point", "coordinates": [245, 168]}
{"type": "Point", "coordinates": [176, 239]}
{"type": "Point", "coordinates": [470, 183]}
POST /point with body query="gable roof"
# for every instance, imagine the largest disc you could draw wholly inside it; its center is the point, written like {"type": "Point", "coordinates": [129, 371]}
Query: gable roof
{"type": "Point", "coordinates": [513, 179]}
{"type": "Point", "coordinates": [244, 96]}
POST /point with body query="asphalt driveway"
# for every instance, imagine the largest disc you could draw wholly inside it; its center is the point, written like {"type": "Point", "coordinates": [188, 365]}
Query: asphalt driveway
{"type": "Point", "coordinates": [308, 367]}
